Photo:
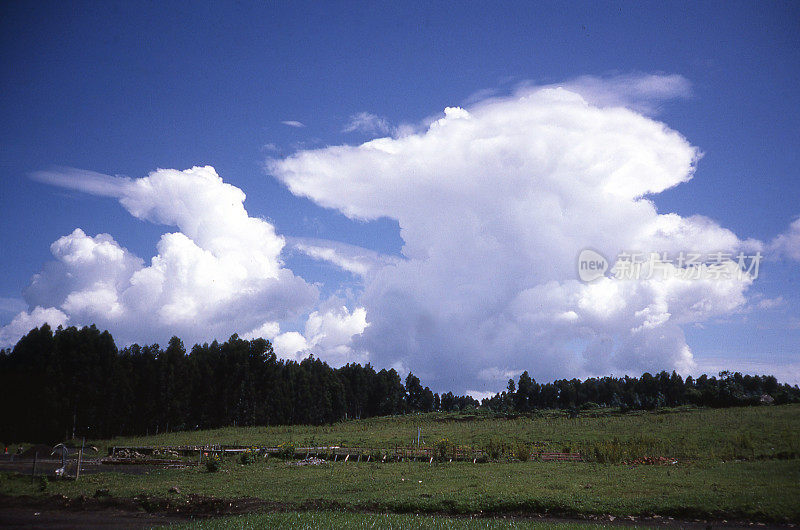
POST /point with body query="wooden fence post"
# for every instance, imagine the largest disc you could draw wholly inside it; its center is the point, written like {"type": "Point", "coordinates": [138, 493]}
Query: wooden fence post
{"type": "Point", "coordinates": [80, 459]}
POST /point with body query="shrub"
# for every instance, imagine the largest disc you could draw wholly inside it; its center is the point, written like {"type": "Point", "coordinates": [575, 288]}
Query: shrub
{"type": "Point", "coordinates": [608, 452]}
{"type": "Point", "coordinates": [286, 450]}
{"type": "Point", "coordinates": [443, 448]}
{"type": "Point", "coordinates": [248, 457]}
{"type": "Point", "coordinates": [43, 482]}
{"type": "Point", "coordinates": [522, 451]}
{"type": "Point", "coordinates": [213, 463]}
{"type": "Point", "coordinates": [494, 448]}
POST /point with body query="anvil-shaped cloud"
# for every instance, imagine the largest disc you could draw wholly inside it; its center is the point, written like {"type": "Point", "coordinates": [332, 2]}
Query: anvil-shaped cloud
{"type": "Point", "coordinates": [494, 203]}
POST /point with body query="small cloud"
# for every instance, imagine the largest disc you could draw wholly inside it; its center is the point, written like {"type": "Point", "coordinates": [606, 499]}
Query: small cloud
{"type": "Point", "coordinates": [267, 330]}
{"type": "Point", "coordinates": [787, 244]}
{"type": "Point", "coordinates": [356, 260]}
{"type": "Point", "coordinates": [84, 180]}
{"type": "Point", "coordinates": [367, 123]}
{"type": "Point", "coordinates": [481, 95]}
{"type": "Point", "coordinates": [495, 374]}
{"type": "Point", "coordinates": [480, 395]}
{"type": "Point", "coordinates": [270, 148]}
{"type": "Point", "coordinates": [771, 303]}
{"type": "Point", "coordinates": [293, 123]}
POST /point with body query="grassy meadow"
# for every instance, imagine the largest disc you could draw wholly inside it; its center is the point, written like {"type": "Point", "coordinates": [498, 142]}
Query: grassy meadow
{"type": "Point", "coordinates": [738, 463]}
{"type": "Point", "coordinates": [684, 433]}
{"type": "Point", "coordinates": [765, 490]}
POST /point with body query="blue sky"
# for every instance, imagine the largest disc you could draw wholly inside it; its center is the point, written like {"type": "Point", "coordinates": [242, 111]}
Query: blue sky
{"type": "Point", "coordinates": [124, 90]}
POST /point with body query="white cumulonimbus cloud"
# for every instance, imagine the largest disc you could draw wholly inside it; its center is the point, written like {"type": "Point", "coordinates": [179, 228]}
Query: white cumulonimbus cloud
{"type": "Point", "coordinates": [494, 204]}
{"type": "Point", "coordinates": [220, 273]}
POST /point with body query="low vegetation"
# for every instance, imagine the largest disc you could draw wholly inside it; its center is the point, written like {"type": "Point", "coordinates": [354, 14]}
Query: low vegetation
{"type": "Point", "coordinates": [604, 436]}
{"type": "Point", "coordinates": [759, 491]}
{"type": "Point", "coordinates": [737, 463]}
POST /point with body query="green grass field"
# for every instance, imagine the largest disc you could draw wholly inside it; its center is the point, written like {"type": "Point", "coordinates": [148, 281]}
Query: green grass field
{"type": "Point", "coordinates": [697, 434]}
{"type": "Point", "coordinates": [766, 490]}
{"type": "Point", "coordinates": [740, 464]}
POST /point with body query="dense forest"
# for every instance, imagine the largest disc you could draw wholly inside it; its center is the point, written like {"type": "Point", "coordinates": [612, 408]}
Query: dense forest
{"type": "Point", "coordinates": [75, 382]}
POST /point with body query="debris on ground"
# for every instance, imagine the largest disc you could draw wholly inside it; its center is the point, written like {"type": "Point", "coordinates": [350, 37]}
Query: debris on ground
{"type": "Point", "coordinates": [166, 452]}
{"type": "Point", "coordinates": [128, 453]}
{"type": "Point", "coordinates": [651, 461]}
{"type": "Point", "coordinates": [311, 461]}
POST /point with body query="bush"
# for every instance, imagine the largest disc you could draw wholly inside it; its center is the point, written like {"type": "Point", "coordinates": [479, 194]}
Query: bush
{"type": "Point", "coordinates": [286, 450]}
{"type": "Point", "coordinates": [522, 451]}
{"type": "Point", "coordinates": [608, 452]}
{"type": "Point", "coordinates": [213, 463]}
{"type": "Point", "coordinates": [248, 457]}
{"type": "Point", "coordinates": [443, 448]}
{"type": "Point", "coordinates": [494, 448]}
{"type": "Point", "coordinates": [43, 482]}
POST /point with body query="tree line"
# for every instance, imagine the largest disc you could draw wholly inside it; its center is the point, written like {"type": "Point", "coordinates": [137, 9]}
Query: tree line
{"type": "Point", "coordinates": [74, 382]}
{"type": "Point", "coordinates": [645, 392]}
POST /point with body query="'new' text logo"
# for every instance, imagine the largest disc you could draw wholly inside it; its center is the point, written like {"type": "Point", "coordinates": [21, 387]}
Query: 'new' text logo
{"type": "Point", "coordinates": [591, 265]}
